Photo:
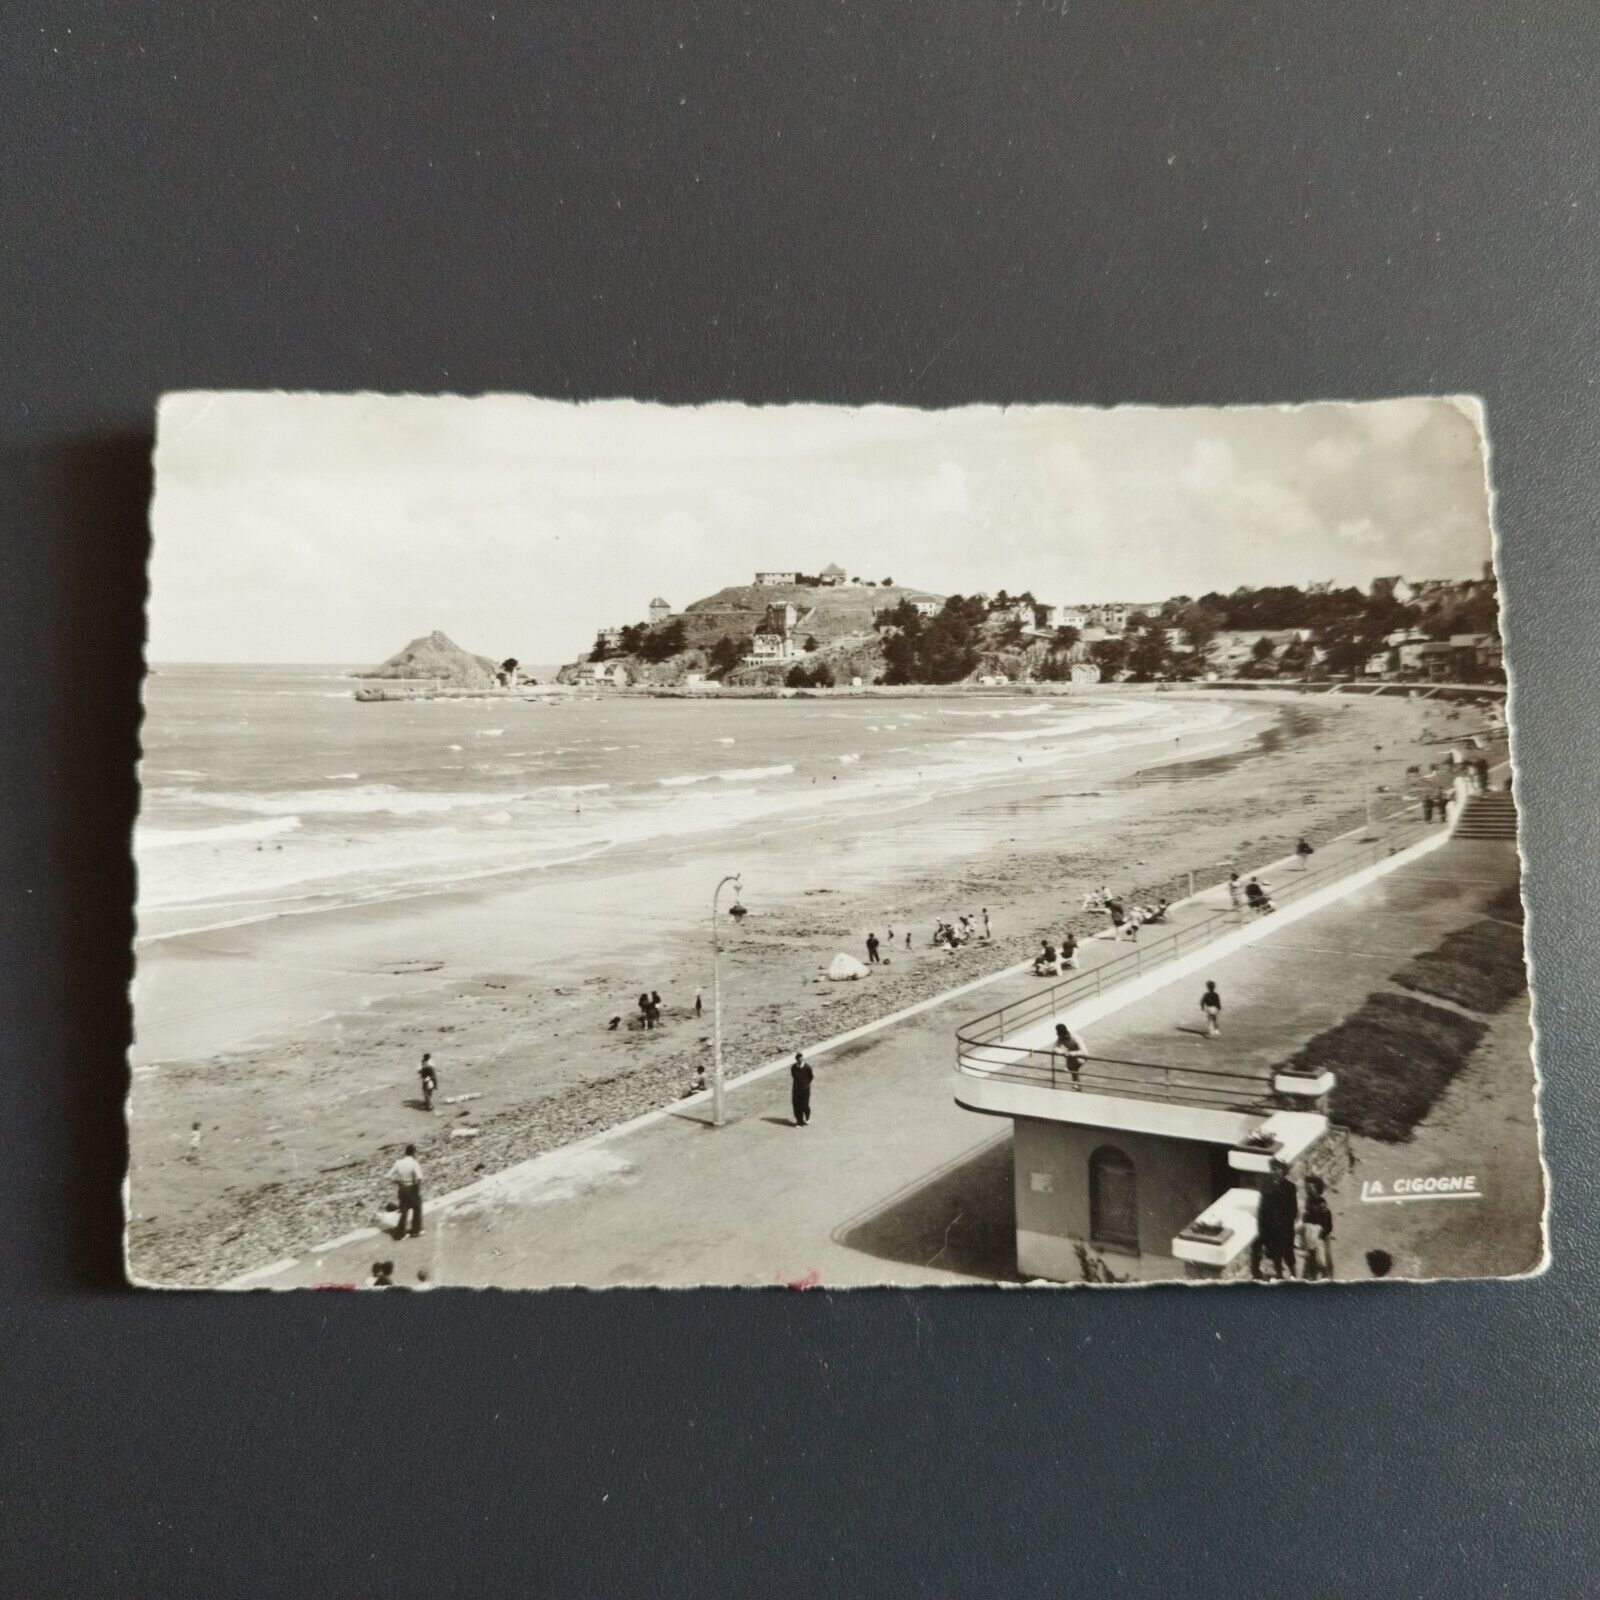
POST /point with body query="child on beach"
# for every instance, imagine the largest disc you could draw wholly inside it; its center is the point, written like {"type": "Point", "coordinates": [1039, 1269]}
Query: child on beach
{"type": "Point", "coordinates": [429, 1080]}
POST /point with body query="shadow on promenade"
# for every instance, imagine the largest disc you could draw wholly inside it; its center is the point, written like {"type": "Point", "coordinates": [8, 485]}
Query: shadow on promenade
{"type": "Point", "coordinates": [959, 1217]}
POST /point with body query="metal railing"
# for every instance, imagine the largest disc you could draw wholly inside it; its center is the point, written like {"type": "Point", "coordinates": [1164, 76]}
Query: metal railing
{"type": "Point", "coordinates": [980, 1044]}
{"type": "Point", "coordinates": [1139, 1080]}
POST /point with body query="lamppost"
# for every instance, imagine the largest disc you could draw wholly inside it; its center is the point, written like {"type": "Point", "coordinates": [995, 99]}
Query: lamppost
{"type": "Point", "coordinates": [738, 913]}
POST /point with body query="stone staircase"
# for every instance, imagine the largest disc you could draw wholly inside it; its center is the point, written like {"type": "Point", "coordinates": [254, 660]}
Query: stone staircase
{"type": "Point", "coordinates": [1488, 816]}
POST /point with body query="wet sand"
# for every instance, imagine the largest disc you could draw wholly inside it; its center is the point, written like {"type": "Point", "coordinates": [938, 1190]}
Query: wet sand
{"type": "Point", "coordinates": [296, 1044]}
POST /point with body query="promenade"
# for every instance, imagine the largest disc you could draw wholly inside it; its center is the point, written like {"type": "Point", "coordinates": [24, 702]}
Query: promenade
{"type": "Point", "coordinates": [892, 1182]}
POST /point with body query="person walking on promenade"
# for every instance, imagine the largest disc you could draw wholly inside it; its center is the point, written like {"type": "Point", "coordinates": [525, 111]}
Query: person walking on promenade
{"type": "Point", "coordinates": [1275, 1223]}
{"type": "Point", "coordinates": [1070, 1048]}
{"type": "Point", "coordinates": [429, 1080]}
{"type": "Point", "coordinates": [1316, 1231]}
{"type": "Point", "coordinates": [872, 949]}
{"type": "Point", "coordinates": [1211, 1009]}
{"type": "Point", "coordinates": [800, 1076]}
{"type": "Point", "coordinates": [1235, 891]}
{"type": "Point", "coordinates": [1302, 854]}
{"type": "Point", "coordinates": [407, 1175]}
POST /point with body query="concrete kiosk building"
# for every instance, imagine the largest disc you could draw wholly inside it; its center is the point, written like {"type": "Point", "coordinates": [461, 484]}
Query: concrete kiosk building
{"type": "Point", "coordinates": [1133, 1170]}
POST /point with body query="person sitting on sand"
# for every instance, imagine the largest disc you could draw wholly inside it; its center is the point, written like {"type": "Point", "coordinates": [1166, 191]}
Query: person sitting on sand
{"type": "Point", "coordinates": [1046, 964]}
{"type": "Point", "coordinates": [1095, 899]}
{"type": "Point", "coordinates": [1117, 912]}
{"type": "Point", "coordinates": [613, 1024]}
{"type": "Point", "coordinates": [1160, 912]}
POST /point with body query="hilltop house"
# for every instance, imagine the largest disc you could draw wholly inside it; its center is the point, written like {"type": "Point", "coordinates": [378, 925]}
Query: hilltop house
{"type": "Point", "coordinates": [1396, 588]}
{"type": "Point", "coordinates": [926, 605]}
{"type": "Point", "coordinates": [774, 580]}
{"type": "Point", "coordinates": [1059, 616]}
{"type": "Point", "coordinates": [831, 575]}
{"type": "Point", "coordinates": [1113, 618]}
{"type": "Point", "coordinates": [775, 639]}
{"type": "Point", "coordinates": [659, 610]}
{"type": "Point", "coordinates": [611, 638]}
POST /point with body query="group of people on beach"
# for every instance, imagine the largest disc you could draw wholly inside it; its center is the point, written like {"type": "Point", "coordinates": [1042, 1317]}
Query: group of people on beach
{"type": "Point", "coordinates": [951, 935]}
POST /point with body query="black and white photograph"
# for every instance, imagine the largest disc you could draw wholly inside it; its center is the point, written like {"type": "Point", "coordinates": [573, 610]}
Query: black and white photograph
{"type": "Point", "coordinates": [616, 844]}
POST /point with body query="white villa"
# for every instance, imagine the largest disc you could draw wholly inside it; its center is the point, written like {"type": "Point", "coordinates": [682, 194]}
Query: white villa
{"type": "Point", "coordinates": [773, 580]}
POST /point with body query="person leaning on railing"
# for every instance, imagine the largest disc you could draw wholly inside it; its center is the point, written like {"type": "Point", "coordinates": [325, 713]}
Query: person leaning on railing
{"type": "Point", "coordinates": [1069, 1050]}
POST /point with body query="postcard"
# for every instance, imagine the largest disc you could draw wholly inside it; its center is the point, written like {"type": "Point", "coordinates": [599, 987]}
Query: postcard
{"type": "Point", "coordinates": [616, 844]}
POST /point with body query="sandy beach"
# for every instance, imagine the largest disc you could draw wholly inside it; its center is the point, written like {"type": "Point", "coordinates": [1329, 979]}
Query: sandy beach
{"type": "Point", "coordinates": [295, 1043]}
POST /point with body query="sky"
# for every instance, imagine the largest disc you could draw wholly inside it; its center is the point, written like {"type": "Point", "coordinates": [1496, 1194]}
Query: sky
{"type": "Point", "coordinates": [336, 528]}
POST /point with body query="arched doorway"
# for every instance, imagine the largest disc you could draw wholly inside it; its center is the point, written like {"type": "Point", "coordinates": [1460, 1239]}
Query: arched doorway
{"type": "Point", "coordinates": [1113, 1199]}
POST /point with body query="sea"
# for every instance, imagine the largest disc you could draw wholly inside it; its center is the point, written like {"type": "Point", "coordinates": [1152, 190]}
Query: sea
{"type": "Point", "coordinates": [269, 790]}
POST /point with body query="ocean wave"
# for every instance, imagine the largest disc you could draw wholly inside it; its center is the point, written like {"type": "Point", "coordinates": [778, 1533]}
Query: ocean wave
{"type": "Point", "coordinates": [725, 741]}
{"type": "Point", "coordinates": [370, 798]}
{"type": "Point", "coordinates": [683, 778]}
{"type": "Point", "coordinates": [489, 733]}
{"type": "Point", "coordinates": [334, 777]}
{"type": "Point", "coordinates": [846, 760]}
{"type": "Point", "coordinates": [169, 838]}
{"type": "Point", "coordinates": [745, 774]}
{"type": "Point", "coordinates": [1020, 711]}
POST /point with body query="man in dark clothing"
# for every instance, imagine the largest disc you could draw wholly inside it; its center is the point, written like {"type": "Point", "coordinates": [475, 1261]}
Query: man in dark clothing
{"type": "Point", "coordinates": [1275, 1223]}
{"type": "Point", "coordinates": [800, 1089]}
{"type": "Point", "coordinates": [1211, 1009]}
{"type": "Point", "coordinates": [644, 1011]}
{"type": "Point", "coordinates": [872, 948]}
{"type": "Point", "coordinates": [430, 1081]}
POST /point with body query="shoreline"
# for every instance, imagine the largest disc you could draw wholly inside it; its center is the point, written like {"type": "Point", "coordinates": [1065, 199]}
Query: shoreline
{"type": "Point", "coordinates": [464, 880]}
{"type": "Point", "coordinates": [306, 1123]}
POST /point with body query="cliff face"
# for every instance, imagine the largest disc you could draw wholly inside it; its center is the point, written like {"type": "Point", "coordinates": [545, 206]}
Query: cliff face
{"type": "Point", "coordinates": [438, 657]}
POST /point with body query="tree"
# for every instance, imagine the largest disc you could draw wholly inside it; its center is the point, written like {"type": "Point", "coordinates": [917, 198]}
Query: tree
{"type": "Point", "coordinates": [599, 650]}
{"type": "Point", "coordinates": [1148, 656]}
{"type": "Point", "coordinates": [726, 654]}
{"type": "Point", "coordinates": [888, 583]}
{"type": "Point", "coordinates": [811, 641]}
{"type": "Point", "coordinates": [1200, 625]}
{"type": "Point", "coordinates": [668, 640]}
{"type": "Point", "coordinates": [632, 638]}
{"type": "Point", "coordinates": [1066, 636]}
{"type": "Point", "coordinates": [1110, 655]}
{"type": "Point", "coordinates": [801, 676]}
{"type": "Point", "coordinates": [1263, 649]}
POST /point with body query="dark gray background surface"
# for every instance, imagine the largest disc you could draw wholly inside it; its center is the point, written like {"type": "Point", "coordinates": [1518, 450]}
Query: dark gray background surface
{"type": "Point", "coordinates": [1046, 200]}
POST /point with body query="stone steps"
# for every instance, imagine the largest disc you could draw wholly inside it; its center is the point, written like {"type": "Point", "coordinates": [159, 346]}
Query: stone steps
{"type": "Point", "coordinates": [1488, 816]}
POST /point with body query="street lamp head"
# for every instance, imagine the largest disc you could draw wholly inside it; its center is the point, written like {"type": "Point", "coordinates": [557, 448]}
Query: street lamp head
{"type": "Point", "coordinates": [738, 912]}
